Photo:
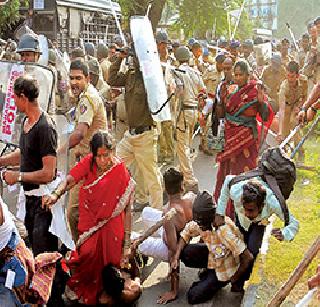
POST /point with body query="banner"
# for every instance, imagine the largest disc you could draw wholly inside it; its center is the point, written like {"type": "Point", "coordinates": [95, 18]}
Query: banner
{"type": "Point", "coordinates": [9, 107]}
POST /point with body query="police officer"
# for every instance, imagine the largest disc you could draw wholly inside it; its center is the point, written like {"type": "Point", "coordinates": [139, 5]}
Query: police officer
{"type": "Point", "coordinates": [212, 76]}
{"type": "Point", "coordinates": [304, 50]}
{"type": "Point", "coordinates": [247, 48]}
{"type": "Point", "coordinates": [312, 61]}
{"type": "Point", "coordinates": [77, 54]}
{"type": "Point", "coordinates": [166, 136]}
{"type": "Point", "coordinates": [103, 88]}
{"type": "Point", "coordinates": [293, 93]}
{"type": "Point", "coordinates": [102, 55]}
{"type": "Point", "coordinates": [272, 76]}
{"type": "Point", "coordinates": [52, 59]}
{"type": "Point", "coordinates": [284, 50]}
{"type": "Point", "coordinates": [89, 50]}
{"type": "Point", "coordinates": [187, 116]}
{"type": "Point", "coordinates": [90, 116]}
{"type": "Point", "coordinates": [28, 48]}
{"type": "Point", "coordinates": [138, 146]}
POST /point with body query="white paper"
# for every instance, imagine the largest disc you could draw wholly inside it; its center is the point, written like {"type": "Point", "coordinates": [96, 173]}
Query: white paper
{"type": "Point", "coordinates": [10, 279]}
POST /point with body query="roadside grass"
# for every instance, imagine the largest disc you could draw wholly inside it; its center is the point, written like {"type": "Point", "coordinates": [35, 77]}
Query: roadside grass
{"type": "Point", "coordinates": [283, 257]}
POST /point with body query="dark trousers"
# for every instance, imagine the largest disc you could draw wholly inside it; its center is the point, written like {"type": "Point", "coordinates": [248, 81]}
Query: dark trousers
{"type": "Point", "coordinates": [253, 239]}
{"type": "Point", "coordinates": [37, 222]}
{"type": "Point", "coordinates": [196, 256]}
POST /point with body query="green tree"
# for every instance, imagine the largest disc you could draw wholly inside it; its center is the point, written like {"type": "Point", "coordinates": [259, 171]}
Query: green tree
{"type": "Point", "coordinates": [9, 14]}
{"type": "Point", "coordinates": [140, 7]}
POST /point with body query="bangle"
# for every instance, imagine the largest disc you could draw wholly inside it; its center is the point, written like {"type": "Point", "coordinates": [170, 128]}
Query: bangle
{"type": "Point", "coordinates": [20, 178]}
{"type": "Point", "coordinates": [313, 109]}
{"type": "Point", "coordinates": [56, 194]}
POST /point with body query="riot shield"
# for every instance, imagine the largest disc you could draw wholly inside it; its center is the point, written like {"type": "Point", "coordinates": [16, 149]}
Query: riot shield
{"type": "Point", "coordinates": [147, 53]}
{"type": "Point", "coordinates": [11, 119]}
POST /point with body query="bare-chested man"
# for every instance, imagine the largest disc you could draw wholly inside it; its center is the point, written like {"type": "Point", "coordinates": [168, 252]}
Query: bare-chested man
{"type": "Point", "coordinates": [165, 245]}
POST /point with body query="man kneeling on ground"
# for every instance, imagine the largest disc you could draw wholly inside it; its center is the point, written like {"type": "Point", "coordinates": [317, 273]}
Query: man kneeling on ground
{"type": "Point", "coordinates": [223, 251]}
{"type": "Point", "coordinates": [164, 246]}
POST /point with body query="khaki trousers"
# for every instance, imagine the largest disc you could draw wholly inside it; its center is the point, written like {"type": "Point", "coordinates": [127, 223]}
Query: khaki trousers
{"type": "Point", "coordinates": [166, 140]}
{"type": "Point", "coordinates": [73, 203]}
{"type": "Point", "coordinates": [185, 126]}
{"type": "Point", "coordinates": [141, 150]}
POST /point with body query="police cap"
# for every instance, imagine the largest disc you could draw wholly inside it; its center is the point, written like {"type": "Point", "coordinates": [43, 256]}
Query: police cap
{"type": "Point", "coordinates": [102, 51]}
{"type": "Point", "coordinates": [93, 67]}
{"type": "Point", "coordinates": [77, 53]}
{"type": "Point", "coordinates": [162, 37]}
{"type": "Point", "coordinates": [182, 54]}
{"type": "Point", "coordinates": [28, 42]}
{"type": "Point", "coordinates": [89, 48]}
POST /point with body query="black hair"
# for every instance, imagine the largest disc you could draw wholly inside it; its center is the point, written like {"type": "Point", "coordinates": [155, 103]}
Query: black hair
{"type": "Point", "coordinates": [204, 209]}
{"type": "Point", "coordinates": [113, 283]}
{"type": "Point", "coordinates": [27, 86]}
{"type": "Point", "coordinates": [172, 181]}
{"type": "Point", "coordinates": [100, 139]}
{"type": "Point", "coordinates": [80, 65]}
{"type": "Point", "coordinates": [244, 67]}
{"type": "Point", "coordinates": [293, 66]}
{"type": "Point", "coordinates": [254, 192]}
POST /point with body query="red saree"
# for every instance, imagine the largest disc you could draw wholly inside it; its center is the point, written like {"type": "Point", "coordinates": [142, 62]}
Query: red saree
{"type": "Point", "coordinates": [98, 198]}
{"type": "Point", "coordinates": [242, 134]}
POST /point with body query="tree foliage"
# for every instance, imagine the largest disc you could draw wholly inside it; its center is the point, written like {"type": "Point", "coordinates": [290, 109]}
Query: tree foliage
{"type": "Point", "coordinates": [195, 17]}
{"type": "Point", "coordinates": [9, 14]}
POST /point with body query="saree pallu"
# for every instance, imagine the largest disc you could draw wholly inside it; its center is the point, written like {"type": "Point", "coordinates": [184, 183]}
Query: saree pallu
{"type": "Point", "coordinates": [97, 201]}
{"type": "Point", "coordinates": [242, 135]}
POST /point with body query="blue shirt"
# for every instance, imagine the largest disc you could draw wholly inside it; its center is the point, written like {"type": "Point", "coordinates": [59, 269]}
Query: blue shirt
{"type": "Point", "coordinates": [271, 206]}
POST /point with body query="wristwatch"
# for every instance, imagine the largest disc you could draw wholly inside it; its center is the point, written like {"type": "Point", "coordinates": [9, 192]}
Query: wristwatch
{"type": "Point", "coordinates": [20, 177]}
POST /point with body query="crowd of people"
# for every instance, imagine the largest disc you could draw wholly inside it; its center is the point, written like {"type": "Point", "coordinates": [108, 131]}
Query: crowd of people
{"type": "Point", "coordinates": [240, 97]}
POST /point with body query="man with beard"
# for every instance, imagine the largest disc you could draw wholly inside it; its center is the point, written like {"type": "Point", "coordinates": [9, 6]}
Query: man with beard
{"type": "Point", "coordinates": [90, 116]}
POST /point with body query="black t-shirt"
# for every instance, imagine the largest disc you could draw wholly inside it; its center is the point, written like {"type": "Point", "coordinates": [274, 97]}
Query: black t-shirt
{"type": "Point", "coordinates": [39, 142]}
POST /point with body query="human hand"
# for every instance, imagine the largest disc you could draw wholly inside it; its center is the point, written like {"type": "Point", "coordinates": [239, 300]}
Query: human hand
{"type": "Point", "coordinates": [314, 281]}
{"type": "Point", "coordinates": [167, 297]}
{"type": "Point", "coordinates": [261, 93]}
{"type": "Point", "coordinates": [48, 201]}
{"type": "Point", "coordinates": [11, 177]}
{"type": "Point", "coordinates": [310, 114]}
{"type": "Point", "coordinates": [277, 233]}
{"type": "Point", "coordinates": [125, 259]}
{"type": "Point", "coordinates": [174, 263]}
{"type": "Point", "coordinates": [219, 220]}
{"type": "Point", "coordinates": [302, 117]}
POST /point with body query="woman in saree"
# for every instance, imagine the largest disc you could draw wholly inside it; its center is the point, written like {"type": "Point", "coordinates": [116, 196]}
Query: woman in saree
{"type": "Point", "coordinates": [104, 218]}
{"type": "Point", "coordinates": [245, 104]}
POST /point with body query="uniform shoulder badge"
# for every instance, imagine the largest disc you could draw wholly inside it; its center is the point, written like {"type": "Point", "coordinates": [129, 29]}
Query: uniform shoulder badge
{"type": "Point", "coordinates": [83, 108]}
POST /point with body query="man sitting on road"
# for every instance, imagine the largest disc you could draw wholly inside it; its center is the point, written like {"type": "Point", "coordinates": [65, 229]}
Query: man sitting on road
{"type": "Point", "coordinates": [222, 252]}
{"type": "Point", "coordinates": [165, 244]}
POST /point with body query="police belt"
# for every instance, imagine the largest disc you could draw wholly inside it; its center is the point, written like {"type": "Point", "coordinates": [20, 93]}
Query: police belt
{"type": "Point", "coordinates": [190, 107]}
{"type": "Point", "coordinates": [139, 130]}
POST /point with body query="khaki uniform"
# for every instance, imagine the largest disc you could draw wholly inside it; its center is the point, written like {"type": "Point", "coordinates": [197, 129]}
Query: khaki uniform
{"type": "Point", "coordinates": [273, 81]}
{"type": "Point", "coordinates": [290, 100]}
{"type": "Point", "coordinates": [105, 67]}
{"type": "Point", "coordinates": [57, 95]}
{"type": "Point", "coordinates": [138, 147]}
{"type": "Point", "coordinates": [89, 110]}
{"type": "Point", "coordinates": [312, 69]}
{"type": "Point", "coordinates": [211, 78]}
{"type": "Point", "coordinates": [166, 142]}
{"type": "Point", "coordinates": [187, 118]}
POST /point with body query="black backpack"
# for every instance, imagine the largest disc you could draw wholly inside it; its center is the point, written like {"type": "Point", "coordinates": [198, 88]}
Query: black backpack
{"type": "Point", "coordinates": [278, 171]}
